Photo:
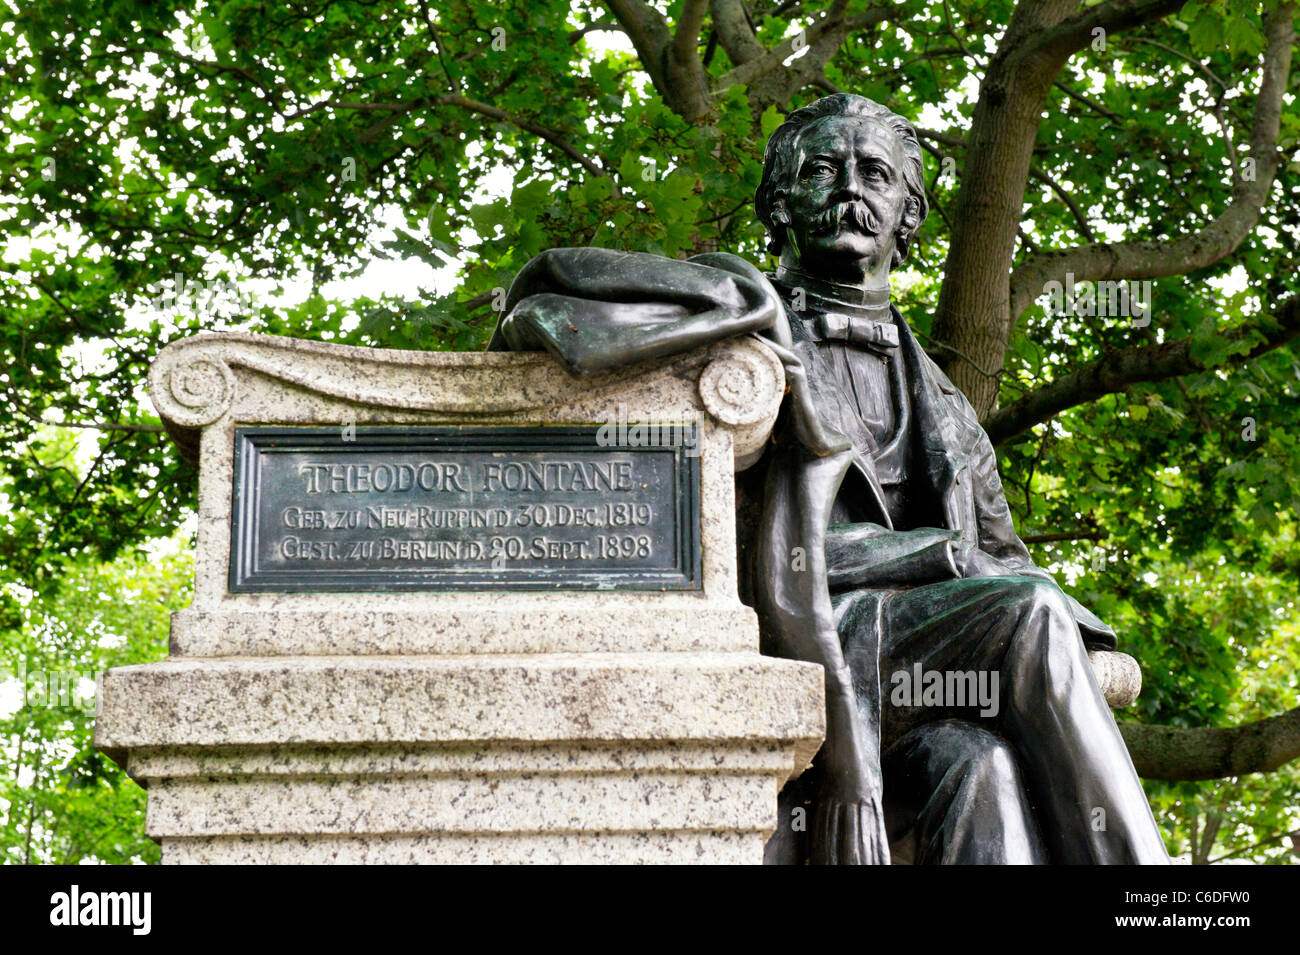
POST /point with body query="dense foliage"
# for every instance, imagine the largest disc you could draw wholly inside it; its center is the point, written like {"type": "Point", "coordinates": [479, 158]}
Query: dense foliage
{"type": "Point", "coordinates": [172, 166]}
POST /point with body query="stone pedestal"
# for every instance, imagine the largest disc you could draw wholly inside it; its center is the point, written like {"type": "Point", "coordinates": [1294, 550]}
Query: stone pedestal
{"type": "Point", "coordinates": [467, 725]}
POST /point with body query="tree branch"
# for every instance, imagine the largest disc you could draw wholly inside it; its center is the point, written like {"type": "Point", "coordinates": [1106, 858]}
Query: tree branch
{"type": "Point", "coordinates": [578, 34]}
{"type": "Point", "coordinates": [943, 139]}
{"type": "Point", "coordinates": [537, 129]}
{"type": "Point", "coordinates": [735, 32]}
{"type": "Point", "coordinates": [648, 31]}
{"type": "Point", "coordinates": [973, 311]}
{"type": "Point", "coordinates": [438, 49]}
{"type": "Point", "coordinates": [686, 41]}
{"type": "Point", "coordinates": [673, 61]}
{"type": "Point", "coordinates": [1275, 837]}
{"type": "Point", "coordinates": [823, 38]}
{"type": "Point", "coordinates": [1120, 370]}
{"type": "Point", "coordinates": [397, 110]}
{"type": "Point", "coordinates": [106, 426]}
{"type": "Point", "coordinates": [1076, 32]}
{"type": "Point", "coordinates": [1090, 103]}
{"type": "Point", "coordinates": [1219, 238]}
{"type": "Point", "coordinates": [1095, 534]}
{"type": "Point", "coordinates": [686, 77]}
{"type": "Point", "coordinates": [1065, 197]}
{"type": "Point", "coordinates": [164, 53]}
{"type": "Point", "coordinates": [1176, 753]}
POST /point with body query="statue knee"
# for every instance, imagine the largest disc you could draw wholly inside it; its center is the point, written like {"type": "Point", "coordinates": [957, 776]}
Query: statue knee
{"type": "Point", "coordinates": [1048, 638]}
{"type": "Point", "coordinates": [956, 749]}
{"type": "Point", "coordinates": [985, 759]}
{"type": "Point", "coordinates": [1036, 595]}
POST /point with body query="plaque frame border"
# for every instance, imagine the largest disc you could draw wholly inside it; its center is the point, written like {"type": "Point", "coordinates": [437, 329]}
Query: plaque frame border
{"type": "Point", "coordinates": [251, 440]}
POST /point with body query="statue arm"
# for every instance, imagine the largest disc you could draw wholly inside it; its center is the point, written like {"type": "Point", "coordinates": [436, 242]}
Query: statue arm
{"type": "Point", "coordinates": [598, 310]}
{"type": "Point", "coordinates": [798, 621]}
{"type": "Point", "coordinates": [995, 549]}
{"type": "Point", "coordinates": [870, 555]}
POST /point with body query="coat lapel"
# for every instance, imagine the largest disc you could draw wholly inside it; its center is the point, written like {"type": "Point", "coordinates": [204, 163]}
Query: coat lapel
{"type": "Point", "coordinates": [943, 433]}
{"type": "Point", "coordinates": [838, 414]}
{"type": "Point", "coordinates": [944, 426]}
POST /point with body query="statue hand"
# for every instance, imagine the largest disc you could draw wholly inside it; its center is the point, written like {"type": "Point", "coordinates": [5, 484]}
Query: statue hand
{"type": "Point", "coordinates": [973, 562]}
{"type": "Point", "coordinates": [848, 832]}
{"type": "Point", "coordinates": [848, 823]}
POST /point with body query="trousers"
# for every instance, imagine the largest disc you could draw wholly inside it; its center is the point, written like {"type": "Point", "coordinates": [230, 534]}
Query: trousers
{"type": "Point", "coordinates": [1035, 773]}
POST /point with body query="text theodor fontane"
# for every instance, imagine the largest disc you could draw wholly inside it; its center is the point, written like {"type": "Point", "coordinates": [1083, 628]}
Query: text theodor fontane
{"type": "Point", "coordinates": [491, 477]}
{"type": "Point", "coordinates": [541, 509]}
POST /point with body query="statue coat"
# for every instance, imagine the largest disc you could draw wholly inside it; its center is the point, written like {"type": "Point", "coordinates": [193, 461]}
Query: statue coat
{"type": "Point", "coordinates": [597, 310]}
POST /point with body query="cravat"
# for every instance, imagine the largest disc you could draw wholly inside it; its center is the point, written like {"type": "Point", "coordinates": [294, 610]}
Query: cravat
{"type": "Point", "coordinates": [880, 337]}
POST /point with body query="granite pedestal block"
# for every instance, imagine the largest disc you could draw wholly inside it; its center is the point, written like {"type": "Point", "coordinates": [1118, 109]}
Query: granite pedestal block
{"type": "Point", "coordinates": [413, 723]}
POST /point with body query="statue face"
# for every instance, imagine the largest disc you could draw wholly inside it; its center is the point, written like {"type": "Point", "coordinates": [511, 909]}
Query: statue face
{"type": "Point", "coordinates": [846, 200]}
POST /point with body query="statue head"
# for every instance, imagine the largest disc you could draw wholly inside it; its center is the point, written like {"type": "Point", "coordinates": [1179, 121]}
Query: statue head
{"type": "Point", "coordinates": [843, 190]}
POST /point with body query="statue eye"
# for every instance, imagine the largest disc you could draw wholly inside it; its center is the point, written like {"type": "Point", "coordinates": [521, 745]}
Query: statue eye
{"type": "Point", "coordinates": [819, 170]}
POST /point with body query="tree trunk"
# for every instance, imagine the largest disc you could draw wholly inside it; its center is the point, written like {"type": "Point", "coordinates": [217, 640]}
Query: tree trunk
{"type": "Point", "coordinates": [971, 323]}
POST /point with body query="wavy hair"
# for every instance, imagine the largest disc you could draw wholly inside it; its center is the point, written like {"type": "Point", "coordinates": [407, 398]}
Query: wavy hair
{"type": "Point", "coordinates": [779, 157]}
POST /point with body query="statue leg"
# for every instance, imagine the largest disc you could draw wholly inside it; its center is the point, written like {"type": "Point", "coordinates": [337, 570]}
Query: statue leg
{"type": "Point", "coordinates": [1086, 794]}
{"type": "Point", "coordinates": [954, 796]}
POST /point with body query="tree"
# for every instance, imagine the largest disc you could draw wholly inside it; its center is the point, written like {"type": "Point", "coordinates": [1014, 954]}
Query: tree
{"type": "Point", "coordinates": [1105, 272]}
{"type": "Point", "coordinates": [61, 800]}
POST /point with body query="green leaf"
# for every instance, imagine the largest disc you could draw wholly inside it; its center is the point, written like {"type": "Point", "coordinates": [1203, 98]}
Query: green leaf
{"type": "Point", "coordinates": [771, 119]}
{"type": "Point", "coordinates": [1206, 31]}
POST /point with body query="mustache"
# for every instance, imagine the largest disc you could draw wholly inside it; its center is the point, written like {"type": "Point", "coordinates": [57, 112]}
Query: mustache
{"type": "Point", "coordinates": [856, 215]}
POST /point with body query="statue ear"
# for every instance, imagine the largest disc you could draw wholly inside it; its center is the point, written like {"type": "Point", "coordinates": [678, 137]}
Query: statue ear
{"type": "Point", "coordinates": [780, 221]}
{"type": "Point", "coordinates": [911, 219]}
{"type": "Point", "coordinates": [780, 215]}
{"type": "Point", "coordinates": [907, 226]}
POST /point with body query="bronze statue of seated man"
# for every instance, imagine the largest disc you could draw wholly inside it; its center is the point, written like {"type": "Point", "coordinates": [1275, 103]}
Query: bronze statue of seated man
{"type": "Point", "coordinates": [964, 723]}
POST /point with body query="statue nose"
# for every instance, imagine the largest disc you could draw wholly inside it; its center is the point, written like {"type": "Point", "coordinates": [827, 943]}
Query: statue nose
{"type": "Point", "coordinates": [849, 188]}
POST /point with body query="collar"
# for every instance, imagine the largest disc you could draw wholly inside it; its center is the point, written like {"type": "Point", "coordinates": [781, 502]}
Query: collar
{"type": "Point", "coordinates": [821, 295]}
